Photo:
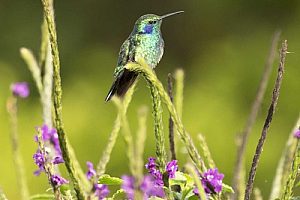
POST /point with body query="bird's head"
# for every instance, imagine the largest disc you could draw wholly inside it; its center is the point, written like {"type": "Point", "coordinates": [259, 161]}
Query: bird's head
{"type": "Point", "coordinates": [150, 23]}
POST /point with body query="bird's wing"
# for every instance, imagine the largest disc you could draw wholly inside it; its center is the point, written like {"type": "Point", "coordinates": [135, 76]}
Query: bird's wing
{"type": "Point", "coordinates": [123, 57]}
{"type": "Point", "coordinates": [126, 54]}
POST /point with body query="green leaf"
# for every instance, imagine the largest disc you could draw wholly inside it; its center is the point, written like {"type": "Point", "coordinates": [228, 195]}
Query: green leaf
{"type": "Point", "coordinates": [42, 197]}
{"type": "Point", "coordinates": [118, 193]}
{"type": "Point", "coordinates": [194, 197]}
{"type": "Point", "coordinates": [108, 180]}
{"type": "Point", "coordinates": [180, 179]}
{"type": "Point", "coordinates": [227, 188]}
{"type": "Point", "coordinates": [189, 180]}
{"type": "Point", "coordinates": [187, 192]}
{"type": "Point", "coordinates": [176, 195]}
{"type": "Point", "coordinates": [65, 189]}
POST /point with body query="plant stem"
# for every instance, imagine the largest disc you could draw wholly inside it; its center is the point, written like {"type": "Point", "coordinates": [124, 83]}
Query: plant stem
{"type": "Point", "coordinates": [48, 166]}
{"type": "Point", "coordinates": [158, 128]}
{"type": "Point", "coordinates": [288, 187]}
{"type": "Point", "coordinates": [268, 121]}
{"type": "Point", "coordinates": [284, 164]}
{"type": "Point", "coordinates": [18, 160]}
{"type": "Point", "coordinates": [148, 74]}
{"type": "Point", "coordinates": [206, 153]}
{"type": "Point", "coordinates": [2, 195]}
{"type": "Point", "coordinates": [101, 167]}
{"type": "Point", "coordinates": [140, 142]}
{"type": "Point", "coordinates": [57, 100]}
{"type": "Point", "coordinates": [33, 67]}
{"type": "Point", "coordinates": [171, 123]}
{"type": "Point", "coordinates": [179, 77]}
{"type": "Point", "coordinates": [127, 135]}
{"type": "Point", "coordinates": [238, 182]}
{"type": "Point", "coordinates": [190, 168]}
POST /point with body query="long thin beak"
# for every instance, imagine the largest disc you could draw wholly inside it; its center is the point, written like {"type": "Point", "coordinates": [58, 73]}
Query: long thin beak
{"type": "Point", "coordinates": [170, 14]}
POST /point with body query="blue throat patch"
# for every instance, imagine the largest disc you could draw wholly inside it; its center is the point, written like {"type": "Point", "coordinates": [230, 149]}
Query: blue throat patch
{"type": "Point", "coordinates": [148, 29]}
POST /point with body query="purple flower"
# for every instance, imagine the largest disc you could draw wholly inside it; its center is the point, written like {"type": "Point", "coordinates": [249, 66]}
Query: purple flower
{"type": "Point", "coordinates": [149, 188]}
{"type": "Point", "coordinates": [58, 180]}
{"type": "Point", "coordinates": [128, 186]}
{"type": "Point", "coordinates": [57, 160]}
{"type": "Point", "coordinates": [51, 136]}
{"type": "Point", "coordinates": [151, 165]}
{"type": "Point", "coordinates": [101, 191]}
{"type": "Point", "coordinates": [212, 181]}
{"type": "Point", "coordinates": [297, 134]}
{"type": "Point", "coordinates": [91, 171]}
{"type": "Point", "coordinates": [171, 168]}
{"type": "Point", "coordinates": [39, 160]}
{"type": "Point", "coordinates": [152, 169]}
{"type": "Point", "coordinates": [196, 191]}
{"type": "Point", "coordinates": [20, 89]}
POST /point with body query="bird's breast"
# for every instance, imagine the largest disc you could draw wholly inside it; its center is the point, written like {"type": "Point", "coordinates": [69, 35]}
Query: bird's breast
{"type": "Point", "coordinates": [150, 48]}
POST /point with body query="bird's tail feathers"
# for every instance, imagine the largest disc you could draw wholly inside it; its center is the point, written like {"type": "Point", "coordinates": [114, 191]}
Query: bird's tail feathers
{"type": "Point", "coordinates": [121, 84]}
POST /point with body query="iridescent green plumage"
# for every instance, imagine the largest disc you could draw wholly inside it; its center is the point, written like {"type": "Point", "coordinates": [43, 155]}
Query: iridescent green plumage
{"type": "Point", "coordinates": [145, 41]}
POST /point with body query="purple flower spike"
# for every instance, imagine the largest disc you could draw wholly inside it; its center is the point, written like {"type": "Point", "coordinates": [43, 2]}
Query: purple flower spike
{"type": "Point", "coordinates": [51, 136]}
{"type": "Point", "coordinates": [171, 168]}
{"type": "Point", "coordinates": [91, 171]}
{"type": "Point", "coordinates": [212, 181]}
{"type": "Point", "coordinates": [151, 166]}
{"type": "Point", "coordinates": [58, 180]}
{"type": "Point", "coordinates": [149, 188]}
{"type": "Point", "coordinates": [39, 160]}
{"type": "Point", "coordinates": [128, 186]}
{"type": "Point", "coordinates": [20, 89]}
{"type": "Point", "coordinates": [297, 134]}
{"type": "Point", "coordinates": [57, 160]}
{"type": "Point", "coordinates": [101, 191]}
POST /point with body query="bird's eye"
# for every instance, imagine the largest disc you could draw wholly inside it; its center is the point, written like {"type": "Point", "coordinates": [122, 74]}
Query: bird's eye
{"type": "Point", "coordinates": [152, 22]}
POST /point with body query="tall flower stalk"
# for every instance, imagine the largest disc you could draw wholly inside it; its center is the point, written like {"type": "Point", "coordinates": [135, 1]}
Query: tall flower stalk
{"type": "Point", "coordinates": [268, 121]}
{"type": "Point", "coordinates": [18, 159]}
{"type": "Point", "coordinates": [238, 181]}
{"type": "Point", "coordinates": [57, 99]}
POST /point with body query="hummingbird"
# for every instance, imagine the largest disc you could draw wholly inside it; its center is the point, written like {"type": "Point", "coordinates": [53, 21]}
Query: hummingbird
{"type": "Point", "coordinates": [146, 42]}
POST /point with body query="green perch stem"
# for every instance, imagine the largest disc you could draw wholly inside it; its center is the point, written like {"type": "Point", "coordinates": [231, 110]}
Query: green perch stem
{"type": "Point", "coordinates": [149, 75]}
{"type": "Point", "coordinates": [158, 128]}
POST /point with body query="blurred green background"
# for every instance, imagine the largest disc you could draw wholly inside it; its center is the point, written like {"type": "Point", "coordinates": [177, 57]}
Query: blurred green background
{"type": "Point", "coordinates": [221, 45]}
